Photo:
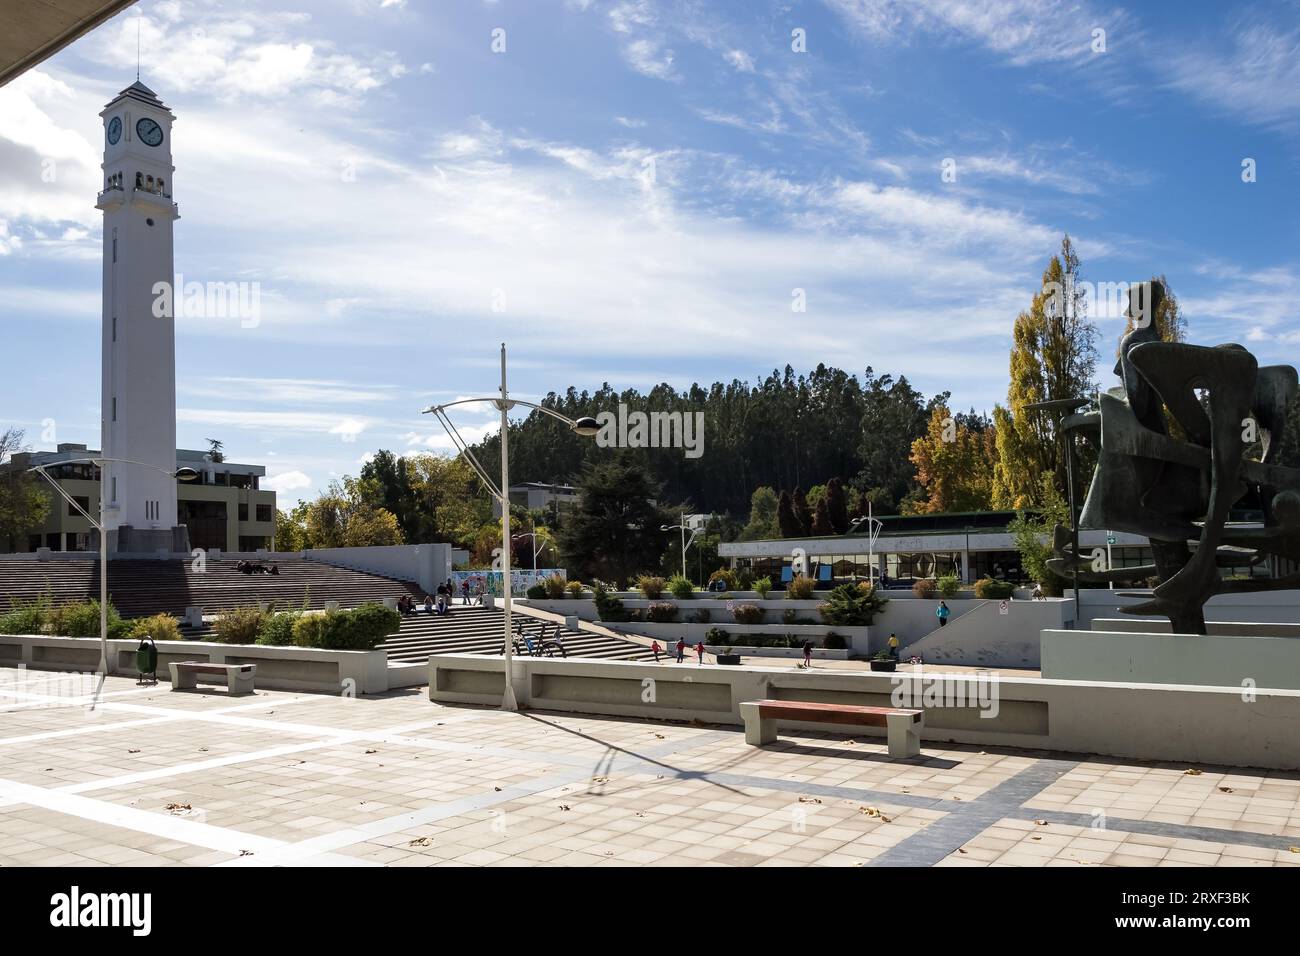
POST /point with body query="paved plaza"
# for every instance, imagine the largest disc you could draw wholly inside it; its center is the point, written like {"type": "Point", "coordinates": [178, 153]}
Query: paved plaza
{"type": "Point", "coordinates": [150, 777]}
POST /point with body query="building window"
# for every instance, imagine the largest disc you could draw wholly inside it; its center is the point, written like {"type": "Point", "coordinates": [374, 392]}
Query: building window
{"type": "Point", "coordinates": [266, 513]}
{"type": "Point", "coordinates": [114, 245]}
{"type": "Point", "coordinates": [84, 502]}
{"type": "Point", "coordinates": [115, 338]}
{"type": "Point", "coordinates": [243, 516]}
{"type": "Point", "coordinates": [114, 500]}
{"type": "Point", "coordinates": [115, 419]}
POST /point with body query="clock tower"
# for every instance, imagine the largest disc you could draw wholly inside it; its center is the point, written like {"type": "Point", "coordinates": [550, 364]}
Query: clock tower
{"type": "Point", "coordinates": [138, 410]}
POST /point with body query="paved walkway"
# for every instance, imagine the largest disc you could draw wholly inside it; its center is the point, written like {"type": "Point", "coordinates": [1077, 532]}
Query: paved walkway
{"type": "Point", "coordinates": [149, 777]}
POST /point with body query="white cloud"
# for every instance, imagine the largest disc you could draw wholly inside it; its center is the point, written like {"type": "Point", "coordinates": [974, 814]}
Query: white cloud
{"type": "Point", "coordinates": [649, 58]}
{"type": "Point", "coordinates": [741, 60]}
{"type": "Point", "coordinates": [1258, 77]}
{"type": "Point", "coordinates": [286, 481]}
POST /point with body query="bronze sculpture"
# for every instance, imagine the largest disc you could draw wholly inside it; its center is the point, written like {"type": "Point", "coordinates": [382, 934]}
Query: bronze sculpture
{"type": "Point", "coordinates": [1172, 445]}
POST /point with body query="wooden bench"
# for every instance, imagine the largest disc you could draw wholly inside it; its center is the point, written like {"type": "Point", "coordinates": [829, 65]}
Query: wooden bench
{"type": "Point", "coordinates": [239, 677]}
{"type": "Point", "coordinates": [902, 727]}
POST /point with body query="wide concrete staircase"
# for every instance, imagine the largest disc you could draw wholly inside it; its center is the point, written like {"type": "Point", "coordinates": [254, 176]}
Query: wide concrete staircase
{"type": "Point", "coordinates": [470, 629]}
{"type": "Point", "coordinates": [140, 588]}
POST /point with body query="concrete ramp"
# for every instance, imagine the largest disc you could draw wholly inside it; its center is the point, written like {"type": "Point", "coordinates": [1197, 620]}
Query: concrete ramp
{"type": "Point", "coordinates": [985, 637]}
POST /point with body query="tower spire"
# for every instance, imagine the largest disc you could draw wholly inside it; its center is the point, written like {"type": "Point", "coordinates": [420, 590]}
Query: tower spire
{"type": "Point", "coordinates": [137, 49]}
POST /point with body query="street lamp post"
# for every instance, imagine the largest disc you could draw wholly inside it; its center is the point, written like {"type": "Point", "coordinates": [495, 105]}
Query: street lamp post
{"type": "Point", "coordinates": [587, 427]}
{"type": "Point", "coordinates": [183, 474]}
{"type": "Point", "coordinates": [537, 548]}
{"type": "Point", "coordinates": [874, 525]}
{"type": "Point", "coordinates": [685, 544]}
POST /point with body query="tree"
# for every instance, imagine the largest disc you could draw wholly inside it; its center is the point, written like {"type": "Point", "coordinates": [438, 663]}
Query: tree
{"type": "Point", "coordinates": [837, 505]}
{"type": "Point", "coordinates": [24, 503]}
{"type": "Point", "coordinates": [802, 513]}
{"type": "Point", "coordinates": [1053, 357]}
{"type": "Point", "coordinates": [215, 450]}
{"type": "Point", "coordinates": [763, 505]}
{"type": "Point", "coordinates": [290, 532]}
{"type": "Point", "coordinates": [954, 464]}
{"type": "Point", "coordinates": [787, 524]}
{"type": "Point", "coordinates": [1033, 537]}
{"type": "Point", "coordinates": [613, 532]}
{"type": "Point", "coordinates": [346, 516]}
{"type": "Point", "coordinates": [821, 524]}
{"type": "Point", "coordinates": [894, 415]}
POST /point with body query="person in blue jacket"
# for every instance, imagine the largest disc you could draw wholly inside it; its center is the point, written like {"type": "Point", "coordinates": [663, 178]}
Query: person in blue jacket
{"type": "Point", "coordinates": [942, 612]}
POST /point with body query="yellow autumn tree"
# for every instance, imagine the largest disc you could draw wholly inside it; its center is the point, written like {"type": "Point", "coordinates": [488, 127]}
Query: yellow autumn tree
{"type": "Point", "coordinates": [954, 464]}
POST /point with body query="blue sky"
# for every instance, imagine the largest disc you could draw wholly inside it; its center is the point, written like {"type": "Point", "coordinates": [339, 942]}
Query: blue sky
{"type": "Point", "coordinates": [632, 190]}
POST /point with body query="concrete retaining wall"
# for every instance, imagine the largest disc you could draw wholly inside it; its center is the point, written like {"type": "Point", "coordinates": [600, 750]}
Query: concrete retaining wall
{"type": "Point", "coordinates": [1138, 721]}
{"type": "Point", "coordinates": [1142, 625]}
{"type": "Point", "coordinates": [1208, 660]}
{"type": "Point", "coordinates": [278, 668]}
{"type": "Point", "coordinates": [428, 565]}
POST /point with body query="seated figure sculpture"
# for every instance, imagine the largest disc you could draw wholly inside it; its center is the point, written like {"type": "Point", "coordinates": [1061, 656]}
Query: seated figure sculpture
{"type": "Point", "coordinates": [1192, 431]}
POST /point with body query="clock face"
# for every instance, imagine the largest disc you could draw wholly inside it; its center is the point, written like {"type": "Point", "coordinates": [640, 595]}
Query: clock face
{"type": "Point", "coordinates": [150, 133]}
{"type": "Point", "coordinates": [114, 130]}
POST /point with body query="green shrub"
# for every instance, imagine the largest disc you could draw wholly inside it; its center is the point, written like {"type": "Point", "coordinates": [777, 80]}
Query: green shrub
{"type": "Point", "coordinates": [835, 642]}
{"type": "Point", "coordinates": [680, 587]}
{"type": "Point", "coordinates": [851, 605]}
{"type": "Point", "coordinates": [161, 627]}
{"type": "Point", "coordinates": [789, 616]}
{"type": "Point", "coordinates": [554, 585]}
{"type": "Point", "coordinates": [715, 636]}
{"type": "Point", "coordinates": [310, 629]}
{"type": "Point", "coordinates": [277, 629]}
{"type": "Point", "coordinates": [924, 588]}
{"type": "Point", "coordinates": [949, 585]}
{"type": "Point", "coordinates": [82, 620]}
{"type": "Point", "coordinates": [746, 613]}
{"type": "Point", "coordinates": [661, 612]}
{"type": "Point", "coordinates": [574, 589]}
{"type": "Point", "coordinates": [762, 586]}
{"type": "Point", "coordinates": [608, 608]}
{"type": "Point", "coordinates": [536, 592]}
{"type": "Point", "coordinates": [25, 617]}
{"type": "Point", "coordinates": [727, 575]}
{"type": "Point", "coordinates": [239, 626]}
{"type": "Point", "coordinates": [744, 580]}
{"type": "Point", "coordinates": [995, 590]}
{"type": "Point", "coordinates": [800, 588]}
{"type": "Point", "coordinates": [363, 628]}
{"type": "Point", "coordinates": [651, 586]}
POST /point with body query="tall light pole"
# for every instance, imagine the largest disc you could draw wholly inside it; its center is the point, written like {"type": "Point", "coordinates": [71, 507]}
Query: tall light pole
{"type": "Point", "coordinates": [873, 531]}
{"type": "Point", "coordinates": [685, 544]}
{"type": "Point", "coordinates": [182, 474]}
{"type": "Point", "coordinates": [537, 548]}
{"type": "Point", "coordinates": [587, 427]}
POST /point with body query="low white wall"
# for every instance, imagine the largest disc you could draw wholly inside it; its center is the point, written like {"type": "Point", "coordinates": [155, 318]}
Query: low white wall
{"type": "Point", "coordinates": [428, 565]}
{"type": "Point", "coordinates": [1206, 660]}
{"type": "Point", "coordinates": [1266, 607]}
{"type": "Point", "coordinates": [858, 638]}
{"type": "Point", "coordinates": [1138, 721]}
{"type": "Point", "coordinates": [278, 668]}
{"type": "Point", "coordinates": [1142, 625]}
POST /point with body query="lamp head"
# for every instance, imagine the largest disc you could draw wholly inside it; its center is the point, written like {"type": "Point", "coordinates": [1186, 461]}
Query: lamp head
{"type": "Point", "coordinates": [186, 474]}
{"type": "Point", "coordinates": [586, 426]}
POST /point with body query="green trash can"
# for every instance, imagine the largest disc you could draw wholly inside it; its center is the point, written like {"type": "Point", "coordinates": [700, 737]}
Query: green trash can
{"type": "Point", "coordinates": [146, 660]}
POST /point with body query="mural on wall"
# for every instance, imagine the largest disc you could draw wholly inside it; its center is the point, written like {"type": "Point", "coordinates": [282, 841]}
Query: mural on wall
{"type": "Point", "coordinates": [489, 582]}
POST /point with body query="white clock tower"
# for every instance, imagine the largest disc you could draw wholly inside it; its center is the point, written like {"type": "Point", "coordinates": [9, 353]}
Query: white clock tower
{"type": "Point", "coordinates": [139, 346]}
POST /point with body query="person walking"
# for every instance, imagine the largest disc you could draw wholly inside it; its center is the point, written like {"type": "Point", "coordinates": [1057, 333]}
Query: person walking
{"type": "Point", "coordinates": [893, 646]}
{"type": "Point", "coordinates": [464, 591]}
{"type": "Point", "coordinates": [807, 653]}
{"type": "Point", "coordinates": [681, 649]}
{"type": "Point", "coordinates": [699, 651]}
{"type": "Point", "coordinates": [655, 649]}
{"type": "Point", "coordinates": [942, 612]}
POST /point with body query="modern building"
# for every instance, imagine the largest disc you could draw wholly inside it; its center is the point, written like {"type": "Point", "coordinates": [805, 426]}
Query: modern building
{"type": "Point", "coordinates": [972, 545]}
{"type": "Point", "coordinates": [222, 509]}
{"type": "Point", "coordinates": [539, 496]}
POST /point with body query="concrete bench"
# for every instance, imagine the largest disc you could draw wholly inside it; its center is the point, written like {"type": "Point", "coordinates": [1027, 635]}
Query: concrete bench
{"type": "Point", "coordinates": [902, 727]}
{"type": "Point", "coordinates": [239, 677]}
